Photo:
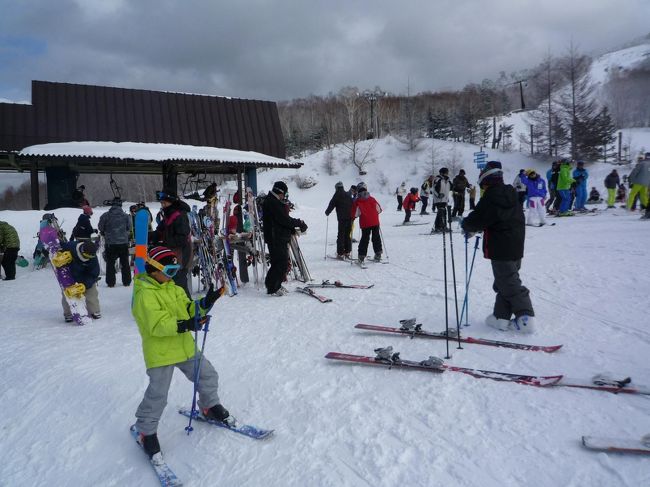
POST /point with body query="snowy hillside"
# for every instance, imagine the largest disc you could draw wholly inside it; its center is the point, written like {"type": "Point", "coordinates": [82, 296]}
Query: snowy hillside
{"type": "Point", "coordinates": [69, 394]}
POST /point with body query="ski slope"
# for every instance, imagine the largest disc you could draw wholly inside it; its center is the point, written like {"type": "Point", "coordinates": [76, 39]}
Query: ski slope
{"type": "Point", "coordinates": [69, 394]}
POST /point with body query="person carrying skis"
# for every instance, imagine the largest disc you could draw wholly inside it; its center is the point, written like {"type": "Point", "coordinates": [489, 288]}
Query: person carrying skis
{"type": "Point", "coordinates": [367, 209]}
{"type": "Point", "coordinates": [639, 180]}
{"type": "Point", "coordinates": [500, 217]}
{"type": "Point", "coordinates": [580, 174]}
{"type": "Point", "coordinates": [173, 231]}
{"type": "Point", "coordinates": [9, 246]}
{"type": "Point", "coordinates": [84, 268]}
{"type": "Point", "coordinates": [278, 227]}
{"type": "Point", "coordinates": [459, 186]}
{"type": "Point", "coordinates": [611, 183]}
{"type": "Point", "coordinates": [519, 185]}
{"type": "Point", "coordinates": [441, 190]}
{"type": "Point", "coordinates": [536, 191]}
{"type": "Point", "coordinates": [115, 227]}
{"type": "Point", "coordinates": [564, 182]}
{"type": "Point", "coordinates": [409, 203]}
{"type": "Point", "coordinates": [342, 202]}
{"type": "Point", "coordinates": [400, 192]}
{"type": "Point", "coordinates": [165, 317]}
{"type": "Point", "coordinates": [552, 174]}
{"type": "Point", "coordinates": [83, 230]}
{"type": "Point", "coordinates": [425, 191]}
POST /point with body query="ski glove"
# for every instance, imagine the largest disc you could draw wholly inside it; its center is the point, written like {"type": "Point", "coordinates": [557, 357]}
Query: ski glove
{"type": "Point", "coordinates": [303, 226]}
{"type": "Point", "coordinates": [191, 324]}
{"type": "Point", "coordinates": [212, 296]}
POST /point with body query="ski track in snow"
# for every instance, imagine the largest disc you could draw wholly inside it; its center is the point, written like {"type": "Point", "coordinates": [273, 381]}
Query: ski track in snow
{"type": "Point", "coordinates": [69, 393]}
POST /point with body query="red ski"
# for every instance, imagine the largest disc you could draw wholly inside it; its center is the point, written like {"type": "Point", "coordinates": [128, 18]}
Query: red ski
{"type": "Point", "coordinates": [618, 445]}
{"type": "Point", "coordinates": [310, 292]}
{"type": "Point", "coordinates": [435, 365]}
{"type": "Point", "coordinates": [417, 331]}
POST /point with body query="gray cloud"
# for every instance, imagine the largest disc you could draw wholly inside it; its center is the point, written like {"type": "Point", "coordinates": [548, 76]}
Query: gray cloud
{"type": "Point", "coordinates": [290, 48]}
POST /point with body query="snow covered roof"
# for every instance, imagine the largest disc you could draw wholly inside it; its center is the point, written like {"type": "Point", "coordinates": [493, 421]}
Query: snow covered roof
{"type": "Point", "coordinates": [153, 152]}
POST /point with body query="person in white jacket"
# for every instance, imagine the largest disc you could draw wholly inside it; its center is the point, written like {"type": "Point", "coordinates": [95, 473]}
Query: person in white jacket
{"type": "Point", "coordinates": [441, 188]}
{"type": "Point", "coordinates": [400, 192]}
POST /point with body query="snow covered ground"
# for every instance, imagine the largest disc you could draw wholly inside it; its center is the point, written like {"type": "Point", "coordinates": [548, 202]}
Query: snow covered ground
{"type": "Point", "coordinates": [69, 394]}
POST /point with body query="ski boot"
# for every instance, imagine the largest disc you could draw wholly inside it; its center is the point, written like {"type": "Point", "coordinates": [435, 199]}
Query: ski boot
{"type": "Point", "coordinates": [220, 414]}
{"type": "Point", "coordinates": [523, 324]}
{"type": "Point", "coordinates": [377, 258]}
{"type": "Point", "coordinates": [498, 323]}
{"type": "Point", "coordinates": [150, 444]}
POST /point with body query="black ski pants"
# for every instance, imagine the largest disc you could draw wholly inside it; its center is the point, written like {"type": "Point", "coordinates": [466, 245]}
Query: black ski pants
{"type": "Point", "coordinates": [400, 200]}
{"type": "Point", "coordinates": [279, 253]}
{"type": "Point", "coordinates": [407, 215]}
{"type": "Point", "coordinates": [513, 298]}
{"type": "Point", "coordinates": [113, 253]}
{"type": "Point", "coordinates": [365, 238]}
{"type": "Point", "coordinates": [459, 204]}
{"type": "Point", "coordinates": [9, 264]}
{"type": "Point", "coordinates": [344, 237]}
{"type": "Point", "coordinates": [441, 216]}
{"type": "Point", "coordinates": [425, 202]}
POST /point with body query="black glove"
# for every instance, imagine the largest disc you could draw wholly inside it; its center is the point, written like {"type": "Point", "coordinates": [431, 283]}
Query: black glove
{"type": "Point", "coordinates": [302, 226]}
{"type": "Point", "coordinates": [212, 296]}
{"type": "Point", "coordinates": [191, 324]}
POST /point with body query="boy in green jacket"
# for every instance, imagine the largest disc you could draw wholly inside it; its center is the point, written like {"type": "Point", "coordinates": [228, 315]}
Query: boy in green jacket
{"type": "Point", "coordinates": [165, 316]}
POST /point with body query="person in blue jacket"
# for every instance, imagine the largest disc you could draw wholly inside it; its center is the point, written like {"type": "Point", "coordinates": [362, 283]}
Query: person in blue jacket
{"type": "Point", "coordinates": [85, 270]}
{"type": "Point", "coordinates": [581, 175]}
{"type": "Point", "coordinates": [536, 191]}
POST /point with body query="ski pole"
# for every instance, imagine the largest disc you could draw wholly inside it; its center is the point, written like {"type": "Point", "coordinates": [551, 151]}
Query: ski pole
{"type": "Point", "coordinates": [444, 263]}
{"type": "Point", "coordinates": [383, 243]}
{"type": "Point", "coordinates": [465, 300]}
{"type": "Point", "coordinates": [327, 225]}
{"type": "Point", "coordinates": [471, 269]}
{"type": "Point", "coordinates": [453, 273]}
{"type": "Point", "coordinates": [198, 357]}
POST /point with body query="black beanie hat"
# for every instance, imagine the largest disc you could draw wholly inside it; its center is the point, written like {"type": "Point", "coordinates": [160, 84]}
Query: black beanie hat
{"type": "Point", "coordinates": [280, 187]}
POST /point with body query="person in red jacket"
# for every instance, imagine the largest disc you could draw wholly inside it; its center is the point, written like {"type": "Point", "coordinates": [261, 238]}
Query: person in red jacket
{"type": "Point", "coordinates": [409, 203]}
{"type": "Point", "coordinates": [367, 209]}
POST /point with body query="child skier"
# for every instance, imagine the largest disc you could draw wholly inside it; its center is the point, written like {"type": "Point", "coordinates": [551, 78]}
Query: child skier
{"type": "Point", "coordinates": [165, 316]}
{"type": "Point", "coordinates": [85, 270]}
{"type": "Point", "coordinates": [536, 191]}
{"type": "Point", "coordinates": [367, 209]}
{"type": "Point", "coordinates": [500, 217]}
{"type": "Point", "coordinates": [409, 203]}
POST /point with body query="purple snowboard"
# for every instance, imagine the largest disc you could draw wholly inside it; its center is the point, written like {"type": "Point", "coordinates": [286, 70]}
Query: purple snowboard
{"type": "Point", "coordinates": [48, 236]}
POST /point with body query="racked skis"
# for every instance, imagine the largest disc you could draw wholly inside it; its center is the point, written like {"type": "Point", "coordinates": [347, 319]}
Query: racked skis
{"type": "Point", "coordinates": [617, 445]}
{"type": "Point", "coordinates": [165, 474]}
{"type": "Point", "coordinates": [243, 429]}
{"type": "Point", "coordinates": [312, 293]}
{"type": "Point", "coordinates": [417, 331]}
{"type": "Point", "coordinates": [396, 361]}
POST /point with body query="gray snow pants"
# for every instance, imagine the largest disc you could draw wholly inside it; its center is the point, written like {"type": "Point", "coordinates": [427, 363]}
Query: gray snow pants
{"type": "Point", "coordinates": [92, 302]}
{"type": "Point", "coordinates": [512, 297]}
{"type": "Point", "coordinates": [155, 397]}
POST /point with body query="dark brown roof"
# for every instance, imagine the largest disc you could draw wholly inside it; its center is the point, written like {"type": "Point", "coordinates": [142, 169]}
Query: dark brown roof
{"type": "Point", "coordinates": [64, 112]}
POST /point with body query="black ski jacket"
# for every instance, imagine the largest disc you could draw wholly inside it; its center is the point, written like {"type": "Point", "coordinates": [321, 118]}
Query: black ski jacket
{"type": "Point", "coordinates": [173, 232]}
{"type": "Point", "coordinates": [342, 201]}
{"type": "Point", "coordinates": [500, 217]}
{"type": "Point", "coordinates": [278, 225]}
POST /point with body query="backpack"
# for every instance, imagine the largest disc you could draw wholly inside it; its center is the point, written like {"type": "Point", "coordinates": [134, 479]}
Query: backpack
{"type": "Point", "coordinates": [424, 186]}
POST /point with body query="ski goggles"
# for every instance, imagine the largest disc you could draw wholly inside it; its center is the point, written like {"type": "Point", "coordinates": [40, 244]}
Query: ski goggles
{"type": "Point", "coordinates": [170, 270]}
{"type": "Point", "coordinates": [161, 195]}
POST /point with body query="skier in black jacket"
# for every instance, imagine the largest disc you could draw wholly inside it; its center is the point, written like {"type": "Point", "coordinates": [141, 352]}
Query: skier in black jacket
{"type": "Point", "coordinates": [342, 201]}
{"type": "Point", "coordinates": [173, 232]}
{"type": "Point", "coordinates": [278, 228]}
{"type": "Point", "coordinates": [500, 217]}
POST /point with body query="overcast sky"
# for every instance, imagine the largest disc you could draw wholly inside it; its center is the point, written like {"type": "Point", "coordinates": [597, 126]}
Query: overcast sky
{"type": "Point", "coordinates": [285, 49]}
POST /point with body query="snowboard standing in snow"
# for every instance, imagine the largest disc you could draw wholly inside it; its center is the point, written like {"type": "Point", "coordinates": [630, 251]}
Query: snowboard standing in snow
{"type": "Point", "coordinates": [72, 291]}
{"type": "Point", "coordinates": [618, 445]}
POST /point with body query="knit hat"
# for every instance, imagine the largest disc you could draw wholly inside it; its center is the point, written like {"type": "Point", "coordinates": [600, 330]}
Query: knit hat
{"type": "Point", "coordinates": [87, 210]}
{"type": "Point", "coordinates": [461, 172]}
{"type": "Point", "coordinates": [280, 187]}
{"type": "Point", "coordinates": [444, 170]}
{"type": "Point", "coordinates": [414, 190]}
{"type": "Point", "coordinates": [338, 185]}
{"type": "Point", "coordinates": [86, 251]}
{"type": "Point", "coordinates": [162, 255]}
{"type": "Point", "coordinates": [491, 173]}
{"type": "Point", "coordinates": [362, 187]}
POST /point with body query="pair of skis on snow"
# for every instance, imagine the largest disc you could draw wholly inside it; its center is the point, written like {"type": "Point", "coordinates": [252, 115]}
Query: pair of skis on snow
{"type": "Point", "coordinates": [163, 471]}
{"type": "Point", "coordinates": [309, 289]}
